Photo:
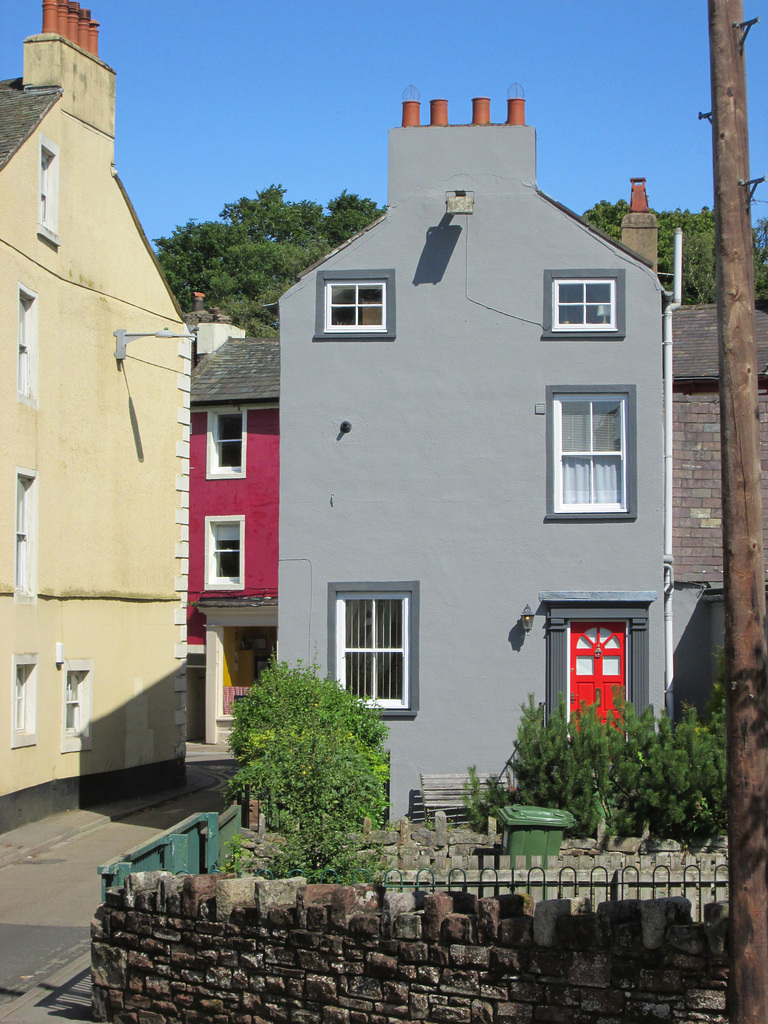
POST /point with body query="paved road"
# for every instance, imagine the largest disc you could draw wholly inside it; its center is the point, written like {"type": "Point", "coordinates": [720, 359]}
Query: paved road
{"type": "Point", "coordinates": [48, 896]}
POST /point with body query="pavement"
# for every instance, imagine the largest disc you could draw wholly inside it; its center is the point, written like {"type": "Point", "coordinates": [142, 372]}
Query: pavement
{"type": "Point", "coordinates": [49, 887]}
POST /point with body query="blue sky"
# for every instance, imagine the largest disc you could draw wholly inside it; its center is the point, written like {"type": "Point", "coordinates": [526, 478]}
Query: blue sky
{"type": "Point", "coordinates": [219, 98]}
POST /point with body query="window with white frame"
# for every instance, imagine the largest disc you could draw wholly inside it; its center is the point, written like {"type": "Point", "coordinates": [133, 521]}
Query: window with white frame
{"type": "Point", "coordinates": [355, 306]}
{"type": "Point", "coordinates": [224, 540]}
{"type": "Point", "coordinates": [48, 202]}
{"type": "Point", "coordinates": [584, 305]}
{"type": "Point", "coordinates": [24, 714]}
{"type": "Point", "coordinates": [77, 705]}
{"type": "Point", "coordinates": [27, 351]}
{"type": "Point", "coordinates": [226, 444]}
{"type": "Point", "coordinates": [373, 637]}
{"type": "Point", "coordinates": [590, 432]}
{"type": "Point", "coordinates": [24, 556]}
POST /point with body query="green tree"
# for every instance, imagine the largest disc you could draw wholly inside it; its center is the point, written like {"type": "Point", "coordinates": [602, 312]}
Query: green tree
{"type": "Point", "coordinates": [698, 244]}
{"type": "Point", "coordinates": [256, 250]}
{"type": "Point", "coordinates": [760, 232]}
{"type": "Point", "coordinates": [313, 753]}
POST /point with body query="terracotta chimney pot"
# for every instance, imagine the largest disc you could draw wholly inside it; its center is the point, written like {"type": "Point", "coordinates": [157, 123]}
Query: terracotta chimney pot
{"type": "Point", "coordinates": [83, 28]}
{"type": "Point", "coordinates": [481, 110]}
{"type": "Point", "coordinates": [73, 19]}
{"type": "Point", "coordinates": [438, 112]}
{"type": "Point", "coordinates": [516, 110]}
{"type": "Point", "coordinates": [411, 114]}
{"type": "Point", "coordinates": [51, 16]}
{"type": "Point", "coordinates": [198, 303]}
{"type": "Point", "coordinates": [62, 18]}
{"type": "Point", "coordinates": [93, 38]}
{"type": "Point", "coordinates": [638, 199]}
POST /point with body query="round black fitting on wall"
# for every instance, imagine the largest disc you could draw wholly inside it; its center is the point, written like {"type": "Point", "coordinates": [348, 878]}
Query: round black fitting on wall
{"type": "Point", "coordinates": [345, 427]}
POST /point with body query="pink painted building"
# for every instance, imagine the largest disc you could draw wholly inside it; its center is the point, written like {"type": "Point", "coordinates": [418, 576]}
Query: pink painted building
{"type": "Point", "coordinates": [233, 523]}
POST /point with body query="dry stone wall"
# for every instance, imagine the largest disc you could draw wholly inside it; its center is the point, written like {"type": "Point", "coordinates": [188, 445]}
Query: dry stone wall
{"type": "Point", "coordinates": [210, 949]}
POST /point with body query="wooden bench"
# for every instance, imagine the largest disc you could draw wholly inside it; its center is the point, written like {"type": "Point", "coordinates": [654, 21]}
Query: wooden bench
{"type": "Point", "coordinates": [446, 793]}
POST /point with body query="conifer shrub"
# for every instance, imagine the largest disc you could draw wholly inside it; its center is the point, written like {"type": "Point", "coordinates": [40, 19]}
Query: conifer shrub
{"type": "Point", "coordinates": [314, 755]}
{"type": "Point", "coordinates": [634, 775]}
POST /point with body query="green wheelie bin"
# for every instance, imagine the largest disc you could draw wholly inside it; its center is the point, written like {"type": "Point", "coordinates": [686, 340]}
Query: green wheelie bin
{"type": "Point", "coordinates": [533, 831]}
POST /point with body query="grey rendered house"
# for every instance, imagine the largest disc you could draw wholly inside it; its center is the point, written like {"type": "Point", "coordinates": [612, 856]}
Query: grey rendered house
{"type": "Point", "coordinates": [471, 424]}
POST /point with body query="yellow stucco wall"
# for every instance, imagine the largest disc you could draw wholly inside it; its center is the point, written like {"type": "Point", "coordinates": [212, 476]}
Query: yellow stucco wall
{"type": "Point", "coordinates": [109, 448]}
{"type": "Point", "coordinates": [133, 699]}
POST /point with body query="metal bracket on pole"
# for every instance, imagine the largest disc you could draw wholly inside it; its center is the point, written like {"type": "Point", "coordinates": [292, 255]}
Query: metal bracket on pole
{"type": "Point", "coordinates": [743, 27]}
{"type": "Point", "coordinates": [751, 185]}
{"type": "Point", "coordinates": [708, 116]}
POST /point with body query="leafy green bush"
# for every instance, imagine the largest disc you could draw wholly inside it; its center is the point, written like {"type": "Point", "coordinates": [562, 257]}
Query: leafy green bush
{"type": "Point", "coordinates": [313, 753]}
{"type": "Point", "coordinates": [638, 775]}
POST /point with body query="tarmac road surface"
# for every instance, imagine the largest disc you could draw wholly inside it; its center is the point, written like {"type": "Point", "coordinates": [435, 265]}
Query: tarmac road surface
{"type": "Point", "coordinates": [49, 888]}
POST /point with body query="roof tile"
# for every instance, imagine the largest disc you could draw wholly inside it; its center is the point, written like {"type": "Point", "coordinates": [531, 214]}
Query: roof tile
{"type": "Point", "coordinates": [241, 370]}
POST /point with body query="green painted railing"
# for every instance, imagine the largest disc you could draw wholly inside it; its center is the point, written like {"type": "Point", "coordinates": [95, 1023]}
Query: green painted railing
{"type": "Point", "coordinates": [193, 847]}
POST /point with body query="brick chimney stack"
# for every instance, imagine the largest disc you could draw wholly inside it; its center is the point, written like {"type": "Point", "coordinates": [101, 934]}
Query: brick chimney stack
{"type": "Point", "coordinates": [639, 228]}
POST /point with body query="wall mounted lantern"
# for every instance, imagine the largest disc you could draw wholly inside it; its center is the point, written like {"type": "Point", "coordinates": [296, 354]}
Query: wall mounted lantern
{"type": "Point", "coordinates": [527, 617]}
{"type": "Point", "coordinates": [122, 338]}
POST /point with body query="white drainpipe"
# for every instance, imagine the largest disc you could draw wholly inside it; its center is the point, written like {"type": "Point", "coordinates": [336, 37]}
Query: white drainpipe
{"type": "Point", "coordinates": [672, 302]}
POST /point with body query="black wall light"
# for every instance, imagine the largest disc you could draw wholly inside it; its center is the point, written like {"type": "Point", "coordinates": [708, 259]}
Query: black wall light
{"type": "Point", "coordinates": [527, 617]}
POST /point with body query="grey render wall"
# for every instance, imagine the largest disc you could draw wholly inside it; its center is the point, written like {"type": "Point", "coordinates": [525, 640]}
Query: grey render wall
{"type": "Point", "coordinates": [699, 632]}
{"type": "Point", "coordinates": [442, 478]}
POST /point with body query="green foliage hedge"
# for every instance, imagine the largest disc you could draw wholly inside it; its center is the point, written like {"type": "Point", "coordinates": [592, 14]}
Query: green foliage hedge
{"type": "Point", "coordinates": [313, 753]}
{"type": "Point", "coordinates": [637, 775]}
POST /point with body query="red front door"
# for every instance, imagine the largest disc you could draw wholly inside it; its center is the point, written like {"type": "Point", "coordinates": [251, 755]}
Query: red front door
{"type": "Point", "coordinates": [597, 665]}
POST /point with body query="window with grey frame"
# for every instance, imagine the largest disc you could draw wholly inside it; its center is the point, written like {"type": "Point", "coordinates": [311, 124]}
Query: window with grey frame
{"type": "Point", "coordinates": [591, 452]}
{"type": "Point", "coordinates": [584, 304]}
{"type": "Point", "coordinates": [355, 305]}
{"type": "Point", "coordinates": [373, 643]}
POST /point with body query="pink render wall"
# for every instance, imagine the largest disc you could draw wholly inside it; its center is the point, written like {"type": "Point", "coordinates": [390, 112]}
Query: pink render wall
{"type": "Point", "coordinates": [255, 496]}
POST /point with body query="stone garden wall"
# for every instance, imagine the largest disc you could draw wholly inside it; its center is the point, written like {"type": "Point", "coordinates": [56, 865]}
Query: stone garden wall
{"type": "Point", "coordinates": [612, 869]}
{"type": "Point", "coordinates": [221, 950]}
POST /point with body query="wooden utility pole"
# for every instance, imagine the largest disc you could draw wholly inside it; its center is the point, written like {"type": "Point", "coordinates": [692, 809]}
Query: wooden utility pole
{"type": "Point", "coordinates": [743, 565]}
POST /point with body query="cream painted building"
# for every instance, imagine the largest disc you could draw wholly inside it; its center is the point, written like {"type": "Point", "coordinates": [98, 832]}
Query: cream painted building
{"type": "Point", "coordinates": [93, 454]}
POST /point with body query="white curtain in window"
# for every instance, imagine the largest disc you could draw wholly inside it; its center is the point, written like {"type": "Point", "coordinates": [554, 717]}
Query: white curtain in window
{"type": "Point", "coordinates": [576, 481]}
{"type": "Point", "coordinates": [607, 482]}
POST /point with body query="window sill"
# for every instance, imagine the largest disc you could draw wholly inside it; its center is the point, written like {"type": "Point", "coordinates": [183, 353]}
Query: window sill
{"type": "Point", "coordinates": [21, 739]}
{"type": "Point", "coordinates": [75, 744]}
{"type": "Point", "coordinates": [614, 335]}
{"type": "Point", "coordinates": [355, 336]}
{"type": "Point", "coordinates": [219, 585]}
{"type": "Point", "coordinates": [225, 476]}
{"type": "Point", "coordinates": [398, 712]}
{"type": "Point", "coordinates": [600, 517]}
{"type": "Point", "coordinates": [46, 235]}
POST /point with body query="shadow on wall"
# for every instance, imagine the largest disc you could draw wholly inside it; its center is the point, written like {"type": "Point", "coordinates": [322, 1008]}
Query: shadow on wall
{"type": "Point", "coordinates": [437, 251]}
{"type": "Point", "coordinates": [696, 649]}
{"type": "Point", "coordinates": [132, 753]}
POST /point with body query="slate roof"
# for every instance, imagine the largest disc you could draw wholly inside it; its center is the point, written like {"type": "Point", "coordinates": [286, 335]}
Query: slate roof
{"type": "Point", "coordinates": [21, 111]}
{"type": "Point", "coordinates": [694, 339]}
{"type": "Point", "coordinates": [242, 370]}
